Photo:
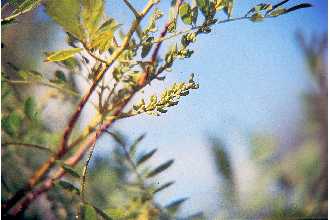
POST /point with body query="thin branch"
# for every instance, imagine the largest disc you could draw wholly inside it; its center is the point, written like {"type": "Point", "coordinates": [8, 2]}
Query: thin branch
{"type": "Point", "coordinates": [36, 146]}
{"type": "Point", "coordinates": [129, 159]}
{"type": "Point", "coordinates": [52, 85]}
{"type": "Point", "coordinates": [85, 170]}
{"type": "Point", "coordinates": [161, 39]}
{"type": "Point", "coordinates": [93, 55]}
{"type": "Point", "coordinates": [130, 6]}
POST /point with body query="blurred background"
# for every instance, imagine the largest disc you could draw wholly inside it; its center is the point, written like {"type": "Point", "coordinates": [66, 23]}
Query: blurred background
{"type": "Point", "coordinates": [251, 143]}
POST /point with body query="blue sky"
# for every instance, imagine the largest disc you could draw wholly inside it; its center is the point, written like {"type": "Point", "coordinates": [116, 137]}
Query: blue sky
{"type": "Point", "coordinates": [252, 77]}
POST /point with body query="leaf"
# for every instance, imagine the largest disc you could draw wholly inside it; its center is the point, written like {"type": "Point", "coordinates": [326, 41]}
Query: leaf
{"type": "Point", "coordinates": [175, 205]}
{"type": "Point", "coordinates": [27, 5]}
{"type": "Point", "coordinates": [62, 54]}
{"type": "Point", "coordinates": [132, 148]}
{"type": "Point", "coordinates": [68, 186]}
{"type": "Point", "coordinates": [102, 40]}
{"type": "Point", "coordinates": [145, 157]}
{"type": "Point", "coordinates": [91, 14]}
{"type": "Point", "coordinates": [68, 169]}
{"type": "Point", "coordinates": [118, 213]}
{"type": "Point", "coordinates": [145, 50]}
{"type": "Point", "coordinates": [300, 6]}
{"type": "Point", "coordinates": [11, 123]}
{"type": "Point", "coordinates": [88, 212]}
{"type": "Point", "coordinates": [194, 14]}
{"type": "Point", "coordinates": [222, 161]}
{"type": "Point", "coordinates": [279, 4]}
{"type": "Point", "coordinates": [229, 8]}
{"type": "Point", "coordinates": [60, 75]}
{"type": "Point", "coordinates": [257, 17]}
{"type": "Point", "coordinates": [185, 13]}
{"type": "Point", "coordinates": [30, 108]}
{"type": "Point", "coordinates": [104, 215]}
{"type": "Point", "coordinates": [260, 7]}
{"type": "Point", "coordinates": [67, 14]}
{"type": "Point", "coordinates": [277, 12]}
{"type": "Point", "coordinates": [202, 4]}
{"type": "Point", "coordinates": [164, 186]}
{"type": "Point", "coordinates": [160, 168]}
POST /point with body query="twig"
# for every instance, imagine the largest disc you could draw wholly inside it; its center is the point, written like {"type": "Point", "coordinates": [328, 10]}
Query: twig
{"type": "Point", "coordinates": [28, 145]}
{"type": "Point", "coordinates": [129, 159]}
{"type": "Point", "coordinates": [52, 85]}
{"type": "Point", "coordinates": [130, 6]}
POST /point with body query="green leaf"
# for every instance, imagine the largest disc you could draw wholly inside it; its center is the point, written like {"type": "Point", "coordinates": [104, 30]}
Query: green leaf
{"type": "Point", "coordinates": [88, 212]}
{"type": "Point", "coordinates": [229, 8]}
{"type": "Point", "coordinates": [222, 160]}
{"type": "Point", "coordinates": [279, 11]}
{"type": "Point", "coordinates": [67, 14]}
{"type": "Point", "coordinates": [300, 6]}
{"type": "Point", "coordinates": [132, 148]}
{"type": "Point", "coordinates": [30, 108]}
{"type": "Point", "coordinates": [185, 13]}
{"type": "Point", "coordinates": [160, 168]}
{"type": "Point", "coordinates": [11, 123]}
{"type": "Point", "coordinates": [68, 186]}
{"type": "Point", "coordinates": [202, 4]}
{"type": "Point", "coordinates": [101, 213]}
{"type": "Point", "coordinates": [59, 74]}
{"type": "Point", "coordinates": [175, 205]}
{"type": "Point", "coordinates": [145, 157]}
{"type": "Point", "coordinates": [91, 14]}
{"type": "Point", "coordinates": [68, 169]}
{"type": "Point", "coordinates": [27, 5]}
{"type": "Point", "coordinates": [164, 186]}
{"type": "Point", "coordinates": [257, 17]}
{"type": "Point", "coordinates": [62, 54]}
{"type": "Point", "coordinates": [145, 49]}
{"type": "Point", "coordinates": [103, 38]}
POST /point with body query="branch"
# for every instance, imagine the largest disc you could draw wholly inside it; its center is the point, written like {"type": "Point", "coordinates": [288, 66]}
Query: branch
{"type": "Point", "coordinates": [63, 149]}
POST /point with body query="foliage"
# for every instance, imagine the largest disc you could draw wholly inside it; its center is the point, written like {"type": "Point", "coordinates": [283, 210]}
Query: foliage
{"type": "Point", "coordinates": [119, 66]}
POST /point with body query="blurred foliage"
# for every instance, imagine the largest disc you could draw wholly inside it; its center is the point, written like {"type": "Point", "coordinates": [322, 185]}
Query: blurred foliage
{"type": "Point", "coordinates": [292, 184]}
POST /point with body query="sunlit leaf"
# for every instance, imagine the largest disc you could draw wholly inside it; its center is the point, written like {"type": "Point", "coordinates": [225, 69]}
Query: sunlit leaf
{"type": "Point", "coordinates": [62, 54]}
{"type": "Point", "coordinates": [103, 38]}
{"type": "Point", "coordinates": [257, 17]}
{"type": "Point", "coordinates": [67, 14]}
{"type": "Point", "coordinates": [91, 14]}
{"type": "Point", "coordinates": [185, 13]}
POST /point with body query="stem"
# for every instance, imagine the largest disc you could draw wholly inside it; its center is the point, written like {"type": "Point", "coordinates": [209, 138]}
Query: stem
{"type": "Point", "coordinates": [41, 172]}
{"type": "Point", "coordinates": [52, 85]}
{"type": "Point", "coordinates": [130, 6]}
{"type": "Point", "coordinates": [28, 145]}
{"type": "Point", "coordinates": [130, 160]}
